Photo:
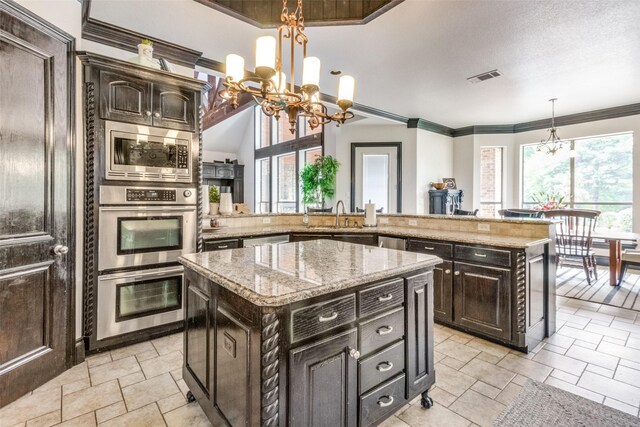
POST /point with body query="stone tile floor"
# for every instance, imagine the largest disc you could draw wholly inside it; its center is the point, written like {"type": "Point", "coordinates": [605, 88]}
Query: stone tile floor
{"type": "Point", "coordinates": [595, 354]}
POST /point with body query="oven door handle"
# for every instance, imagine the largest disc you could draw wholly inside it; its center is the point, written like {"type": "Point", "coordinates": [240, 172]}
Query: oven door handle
{"type": "Point", "coordinates": [148, 208]}
{"type": "Point", "coordinates": [142, 275]}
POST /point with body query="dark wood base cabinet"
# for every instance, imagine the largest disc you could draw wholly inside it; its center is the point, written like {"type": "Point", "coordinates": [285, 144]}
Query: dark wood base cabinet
{"type": "Point", "coordinates": [348, 358]}
{"type": "Point", "coordinates": [502, 294]}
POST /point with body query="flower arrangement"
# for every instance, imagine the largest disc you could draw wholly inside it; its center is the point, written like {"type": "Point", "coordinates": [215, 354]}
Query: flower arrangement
{"type": "Point", "coordinates": [548, 201]}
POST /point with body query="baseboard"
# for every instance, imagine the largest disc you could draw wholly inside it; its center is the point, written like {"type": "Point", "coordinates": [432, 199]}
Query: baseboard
{"type": "Point", "coordinates": [79, 351]}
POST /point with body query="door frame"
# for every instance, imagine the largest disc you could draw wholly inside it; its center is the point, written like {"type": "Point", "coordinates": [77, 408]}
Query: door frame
{"type": "Point", "coordinates": [73, 350]}
{"type": "Point", "coordinates": [398, 147]}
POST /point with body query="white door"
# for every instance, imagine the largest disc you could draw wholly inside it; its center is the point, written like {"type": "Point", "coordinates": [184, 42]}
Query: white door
{"type": "Point", "coordinates": [376, 177]}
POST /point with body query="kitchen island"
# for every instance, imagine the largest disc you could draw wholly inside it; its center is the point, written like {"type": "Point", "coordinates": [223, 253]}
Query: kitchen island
{"type": "Point", "coordinates": [309, 333]}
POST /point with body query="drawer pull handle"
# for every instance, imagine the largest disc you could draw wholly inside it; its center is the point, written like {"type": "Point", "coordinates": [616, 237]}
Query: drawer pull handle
{"type": "Point", "coordinates": [387, 403]}
{"type": "Point", "coordinates": [480, 255]}
{"type": "Point", "coordinates": [223, 246]}
{"type": "Point", "coordinates": [457, 273]}
{"type": "Point", "coordinates": [332, 316]}
{"type": "Point", "coordinates": [354, 353]}
{"type": "Point", "coordinates": [384, 366]}
{"type": "Point", "coordinates": [385, 298]}
{"type": "Point", "coordinates": [447, 271]}
{"type": "Point", "coordinates": [384, 330]}
{"type": "Point", "coordinates": [429, 248]}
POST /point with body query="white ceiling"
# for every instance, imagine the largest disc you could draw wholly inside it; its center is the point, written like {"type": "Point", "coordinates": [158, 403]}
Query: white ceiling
{"type": "Point", "coordinates": [414, 59]}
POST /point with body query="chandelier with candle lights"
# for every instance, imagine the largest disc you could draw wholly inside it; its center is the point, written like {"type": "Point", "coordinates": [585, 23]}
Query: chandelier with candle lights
{"type": "Point", "coordinates": [268, 86]}
{"type": "Point", "coordinates": [553, 144]}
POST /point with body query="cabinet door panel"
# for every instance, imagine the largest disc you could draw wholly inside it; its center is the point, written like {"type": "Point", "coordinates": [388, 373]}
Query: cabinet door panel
{"type": "Point", "coordinates": [125, 99]}
{"type": "Point", "coordinates": [419, 336]}
{"type": "Point", "coordinates": [323, 389]}
{"type": "Point", "coordinates": [198, 336]}
{"type": "Point", "coordinates": [173, 108]}
{"type": "Point", "coordinates": [481, 299]}
{"type": "Point", "coordinates": [442, 291]}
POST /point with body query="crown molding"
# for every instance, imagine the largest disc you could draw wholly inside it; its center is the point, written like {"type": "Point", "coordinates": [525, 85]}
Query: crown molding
{"type": "Point", "coordinates": [430, 126]}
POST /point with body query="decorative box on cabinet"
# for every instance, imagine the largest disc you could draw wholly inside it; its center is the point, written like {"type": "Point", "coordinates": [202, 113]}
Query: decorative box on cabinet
{"type": "Point", "coordinates": [444, 202]}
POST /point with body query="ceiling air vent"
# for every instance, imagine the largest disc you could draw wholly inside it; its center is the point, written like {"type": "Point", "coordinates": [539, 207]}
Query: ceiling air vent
{"type": "Point", "coordinates": [485, 76]}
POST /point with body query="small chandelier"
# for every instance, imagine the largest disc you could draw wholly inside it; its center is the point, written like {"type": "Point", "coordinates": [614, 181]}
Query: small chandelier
{"type": "Point", "coordinates": [273, 95]}
{"type": "Point", "coordinates": [553, 144]}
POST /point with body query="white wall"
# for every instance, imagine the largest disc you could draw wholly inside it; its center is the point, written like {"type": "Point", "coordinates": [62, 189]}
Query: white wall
{"type": "Point", "coordinates": [466, 159]}
{"type": "Point", "coordinates": [434, 161]}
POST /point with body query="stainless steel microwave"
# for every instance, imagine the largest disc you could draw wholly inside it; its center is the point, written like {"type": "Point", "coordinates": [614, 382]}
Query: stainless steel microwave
{"type": "Point", "coordinates": [144, 153]}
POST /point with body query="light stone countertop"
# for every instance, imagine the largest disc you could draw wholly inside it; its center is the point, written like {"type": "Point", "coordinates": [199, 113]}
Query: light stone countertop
{"type": "Point", "coordinates": [275, 275]}
{"type": "Point", "coordinates": [406, 232]}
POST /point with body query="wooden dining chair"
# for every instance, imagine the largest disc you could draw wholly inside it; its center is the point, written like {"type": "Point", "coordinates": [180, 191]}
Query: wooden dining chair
{"type": "Point", "coordinates": [573, 237]}
{"type": "Point", "coordinates": [520, 213]}
{"type": "Point", "coordinates": [629, 257]}
{"type": "Point", "coordinates": [467, 213]}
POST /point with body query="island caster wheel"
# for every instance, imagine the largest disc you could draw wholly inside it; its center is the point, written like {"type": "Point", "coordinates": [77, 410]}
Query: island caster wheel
{"type": "Point", "coordinates": [190, 397]}
{"type": "Point", "coordinates": [426, 401]}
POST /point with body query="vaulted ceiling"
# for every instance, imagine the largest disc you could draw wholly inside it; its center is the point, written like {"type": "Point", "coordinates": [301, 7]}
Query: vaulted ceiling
{"type": "Point", "coordinates": [414, 59]}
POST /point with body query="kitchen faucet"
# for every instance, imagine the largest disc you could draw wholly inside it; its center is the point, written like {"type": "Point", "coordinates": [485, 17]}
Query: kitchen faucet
{"type": "Point", "coordinates": [340, 202]}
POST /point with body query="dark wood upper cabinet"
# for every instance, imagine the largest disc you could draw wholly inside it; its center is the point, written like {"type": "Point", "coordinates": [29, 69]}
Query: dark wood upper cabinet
{"type": "Point", "coordinates": [482, 298]}
{"type": "Point", "coordinates": [125, 99]}
{"type": "Point", "coordinates": [129, 99]}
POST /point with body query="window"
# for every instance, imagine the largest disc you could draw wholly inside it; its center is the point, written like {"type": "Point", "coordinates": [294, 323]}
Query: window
{"type": "Point", "coordinates": [279, 157]}
{"type": "Point", "coordinates": [591, 173]}
{"type": "Point", "coordinates": [491, 190]}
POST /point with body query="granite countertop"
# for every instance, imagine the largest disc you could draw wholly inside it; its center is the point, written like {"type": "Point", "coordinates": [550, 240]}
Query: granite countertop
{"type": "Point", "coordinates": [275, 275]}
{"type": "Point", "coordinates": [454, 236]}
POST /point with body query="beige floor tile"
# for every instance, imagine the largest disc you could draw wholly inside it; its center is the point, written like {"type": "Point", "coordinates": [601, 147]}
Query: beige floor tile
{"type": "Point", "coordinates": [600, 370]}
{"type": "Point", "coordinates": [489, 357]}
{"type": "Point", "coordinates": [452, 381]}
{"type": "Point", "coordinates": [611, 388]}
{"type": "Point", "coordinates": [436, 416]}
{"type": "Point", "coordinates": [151, 354]}
{"type": "Point", "coordinates": [440, 396]}
{"type": "Point", "coordinates": [571, 388]}
{"type": "Point", "coordinates": [177, 374]}
{"type": "Point", "coordinates": [580, 334]}
{"type": "Point", "coordinates": [621, 406]}
{"type": "Point", "coordinates": [618, 312]}
{"type": "Point", "coordinates": [98, 359]}
{"type": "Point", "coordinates": [190, 415]}
{"type": "Point", "coordinates": [131, 379]}
{"type": "Point", "coordinates": [114, 370]}
{"type": "Point", "coordinates": [560, 340]}
{"type": "Point", "coordinates": [596, 315]}
{"type": "Point", "coordinates": [554, 348]}
{"type": "Point", "coordinates": [593, 357]}
{"type": "Point", "coordinates": [452, 363]}
{"type": "Point", "coordinates": [630, 364]}
{"type": "Point", "coordinates": [490, 374]}
{"type": "Point", "coordinates": [76, 373]}
{"type": "Point", "coordinates": [393, 422]}
{"type": "Point", "coordinates": [564, 376]}
{"type": "Point", "coordinates": [624, 326]}
{"type": "Point", "coordinates": [510, 392]}
{"type": "Point", "coordinates": [437, 356]}
{"type": "Point", "coordinates": [162, 364]}
{"type": "Point", "coordinates": [168, 344]}
{"type": "Point", "coordinates": [457, 350]}
{"type": "Point", "coordinates": [184, 388]}
{"type": "Point", "coordinates": [627, 375]}
{"type": "Point", "coordinates": [619, 351]}
{"type": "Point", "coordinates": [75, 386]}
{"type": "Point", "coordinates": [172, 402]}
{"type": "Point", "coordinates": [586, 344]}
{"type": "Point", "coordinates": [90, 399]}
{"type": "Point", "coordinates": [607, 331]}
{"type": "Point", "coordinates": [149, 391]}
{"type": "Point", "coordinates": [579, 322]}
{"type": "Point", "coordinates": [558, 361]}
{"type": "Point", "coordinates": [633, 342]}
{"type": "Point", "coordinates": [460, 339]}
{"type": "Point", "coordinates": [525, 367]}
{"type": "Point", "coordinates": [614, 340]}
{"type": "Point", "coordinates": [46, 420]}
{"type": "Point", "coordinates": [488, 347]}
{"type": "Point", "coordinates": [132, 350]}
{"type": "Point", "coordinates": [520, 380]}
{"type": "Point", "coordinates": [86, 420]}
{"type": "Point", "coordinates": [477, 408]}
{"type": "Point", "coordinates": [488, 390]}
{"type": "Point", "coordinates": [31, 406]}
{"type": "Point", "coordinates": [111, 411]}
{"type": "Point", "coordinates": [147, 416]}
{"type": "Point", "coordinates": [439, 335]}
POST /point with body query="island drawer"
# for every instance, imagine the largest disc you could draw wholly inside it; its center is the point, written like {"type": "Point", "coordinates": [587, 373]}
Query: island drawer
{"type": "Point", "coordinates": [381, 366]}
{"type": "Point", "coordinates": [483, 255]}
{"type": "Point", "coordinates": [312, 320]}
{"type": "Point", "coordinates": [381, 401]}
{"type": "Point", "coordinates": [220, 245]}
{"type": "Point", "coordinates": [443, 250]}
{"type": "Point", "coordinates": [381, 297]}
{"type": "Point", "coordinates": [380, 331]}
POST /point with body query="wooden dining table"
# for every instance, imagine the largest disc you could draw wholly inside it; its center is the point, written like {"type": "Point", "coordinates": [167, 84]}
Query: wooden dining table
{"type": "Point", "coordinates": [615, 238]}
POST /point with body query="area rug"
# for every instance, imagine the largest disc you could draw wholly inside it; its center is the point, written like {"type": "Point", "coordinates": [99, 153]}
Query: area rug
{"type": "Point", "coordinates": [541, 405]}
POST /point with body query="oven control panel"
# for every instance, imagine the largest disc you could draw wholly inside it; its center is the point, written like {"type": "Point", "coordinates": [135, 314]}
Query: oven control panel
{"type": "Point", "coordinates": [183, 157]}
{"type": "Point", "coordinates": [144, 195]}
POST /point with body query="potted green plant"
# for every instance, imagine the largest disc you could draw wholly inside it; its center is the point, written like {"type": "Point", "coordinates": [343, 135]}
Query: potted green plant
{"type": "Point", "coordinates": [214, 200]}
{"type": "Point", "coordinates": [319, 183]}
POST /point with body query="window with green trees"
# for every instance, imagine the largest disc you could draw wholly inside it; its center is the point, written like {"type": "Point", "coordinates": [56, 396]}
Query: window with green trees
{"type": "Point", "coordinates": [591, 173]}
